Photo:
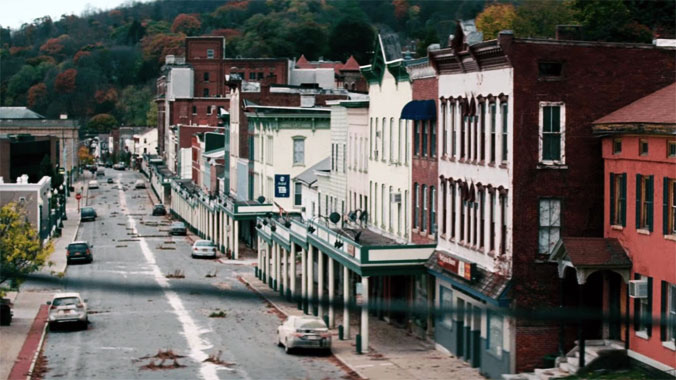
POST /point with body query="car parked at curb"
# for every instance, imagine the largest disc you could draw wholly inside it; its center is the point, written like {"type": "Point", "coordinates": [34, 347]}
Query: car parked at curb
{"type": "Point", "coordinates": [140, 184]}
{"type": "Point", "coordinates": [110, 180]}
{"type": "Point", "coordinates": [178, 228]}
{"type": "Point", "coordinates": [67, 308]}
{"type": "Point", "coordinates": [79, 251]}
{"type": "Point", "coordinates": [93, 184]}
{"type": "Point", "coordinates": [203, 248]}
{"type": "Point", "coordinates": [159, 210]}
{"type": "Point", "coordinates": [87, 213]}
{"type": "Point", "coordinates": [304, 332]}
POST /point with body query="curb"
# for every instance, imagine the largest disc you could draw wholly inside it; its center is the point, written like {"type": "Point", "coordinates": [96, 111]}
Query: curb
{"type": "Point", "coordinates": [22, 368]}
{"type": "Point", "coordinates": [279, 309]}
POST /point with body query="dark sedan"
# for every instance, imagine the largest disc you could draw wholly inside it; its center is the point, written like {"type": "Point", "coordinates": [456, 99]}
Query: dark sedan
{"type": "Point", "coordinates": [87, 213]}
{"type": "Point", "coordinates": [159, 210]}
{"type": "Point", "coordinates": [79, 251]}
{"type": "Point", "coordinates": [178, 228]}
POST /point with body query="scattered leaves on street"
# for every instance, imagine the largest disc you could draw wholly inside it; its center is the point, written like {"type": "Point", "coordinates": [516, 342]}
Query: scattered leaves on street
{"type": "Point", "coordinates": [217, 314]}
{"type": "Point", "coordinates": [216, 359]}
{"type": "Point", "coordinates": [177, 274]}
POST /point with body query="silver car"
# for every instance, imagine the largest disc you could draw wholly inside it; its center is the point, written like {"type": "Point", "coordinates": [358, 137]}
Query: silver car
{"type": "Point", "coordinates": [203, 248]}
{"type": "Point", "coordinates": [304, 332]}
{"type": "Point", "coordinates": [67, 308]}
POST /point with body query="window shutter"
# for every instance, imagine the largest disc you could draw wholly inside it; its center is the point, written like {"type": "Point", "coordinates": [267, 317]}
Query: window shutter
{"type": "Point", "coordinates": [649, 322]}
{"type": "Point", "coordinates": [638, 201]}
{"type": "Point", "coordinates": [637, 308]}
{"type": "Point", "coordinates": [663, 307]}
{"type": "Point", "coordinates": [623, 197]}
{"type": "Point", "coordinates": [649, 199]}
{"type": "Point", "coordinates": [665, 206]}
{"type": "Point", "coordinates": [612, 198]}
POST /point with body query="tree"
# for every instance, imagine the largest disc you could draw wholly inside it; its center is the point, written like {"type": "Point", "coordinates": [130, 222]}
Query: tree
{"type": "Point", "coordinates": [65, 81]}
{"type": "Point", "coordinates": [610, 20]}
{"type": "Point", "coordinates": [187, 24]}
{"type": "Point", "coordinates": [351, 37]}
{"type": "Point", "coordinates": [20, 250]}
{"type": "Point", "coordinates": [151, 116]}
{"type": "Point", "coordinates": [102, 123]}
{"type": "Point", "coordinates": [36, 95]}
{"type": "Point", "coordinates": [84, 156]}
{"type": "Point", "coordinates": [539, 18]}
{"type": "Point", "coordinates": [494, 18]}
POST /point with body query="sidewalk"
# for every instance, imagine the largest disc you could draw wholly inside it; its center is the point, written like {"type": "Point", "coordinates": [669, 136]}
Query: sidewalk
{"type": "Point", "coordinates": [393, 353]}
{"type": "Point", "coordinates": [27, 302]}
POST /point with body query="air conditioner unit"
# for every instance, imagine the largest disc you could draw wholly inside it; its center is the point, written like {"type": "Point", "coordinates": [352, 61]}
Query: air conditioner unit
{"type": "Point", "coordinates": [638, 289]}
{"type": "Point", "coordinates": [395, 197]}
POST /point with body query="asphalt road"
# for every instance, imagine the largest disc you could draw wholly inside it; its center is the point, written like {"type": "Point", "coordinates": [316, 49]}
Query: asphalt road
{"type": "Point", "coordinates": [148, 312]}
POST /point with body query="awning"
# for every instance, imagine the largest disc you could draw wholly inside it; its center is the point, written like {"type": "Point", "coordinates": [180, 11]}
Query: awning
{"type": "Point", "coordinates": [590, 254]}
{"type": "Point", "coordinates": [420, 110]}
{"type": "Point", "coordinates": [216, 153]}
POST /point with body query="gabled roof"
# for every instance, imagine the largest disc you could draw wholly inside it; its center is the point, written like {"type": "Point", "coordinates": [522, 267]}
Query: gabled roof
{"type": "Point", "coordinates": [18, 113]}
{"type": "Point", "coordinates": [351, 64]}
{"type": "Point", "coordinates": [590, 252]}
{"type": "Point", "coordinates": [656, 108]}
{"type": "Point", "coordinates": [309, 176]}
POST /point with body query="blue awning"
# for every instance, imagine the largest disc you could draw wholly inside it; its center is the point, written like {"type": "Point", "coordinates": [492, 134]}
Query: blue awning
{"type": "Point", "coordinates": [420, 110]}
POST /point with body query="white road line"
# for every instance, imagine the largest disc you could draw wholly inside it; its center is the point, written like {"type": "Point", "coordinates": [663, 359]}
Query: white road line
{"type": "Point", "coordinates": [192, 332]}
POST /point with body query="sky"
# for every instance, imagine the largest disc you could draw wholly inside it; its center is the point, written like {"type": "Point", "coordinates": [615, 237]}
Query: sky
{"type": "Point", "coordinates": [13, 13]}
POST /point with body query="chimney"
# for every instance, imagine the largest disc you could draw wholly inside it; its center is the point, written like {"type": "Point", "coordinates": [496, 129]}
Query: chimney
{"type": "Point", "coordinates": [569, 32]}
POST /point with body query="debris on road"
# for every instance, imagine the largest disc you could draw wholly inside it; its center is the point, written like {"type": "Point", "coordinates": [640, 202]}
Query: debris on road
{"type": "Point", "coordinates": [211, 275]}
{"type": "Point", "coordinates": [218, 314]}
{"type": "Point", "coordinates": [177, 274]}
{"type": "Point", "coordinates": [216, 359]}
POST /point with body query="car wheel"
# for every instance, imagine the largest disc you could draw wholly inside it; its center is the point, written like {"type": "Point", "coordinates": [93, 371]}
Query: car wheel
{"type": "Point", "coordinates": [279, 341]}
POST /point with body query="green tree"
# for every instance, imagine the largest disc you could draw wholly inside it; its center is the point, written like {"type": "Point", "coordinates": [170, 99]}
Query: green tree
{"type": "Point", "coordinates": [20, 250]}
{"type": "Point", "coordinates": [494, 18]}
{"type": "Point", "coordinates": [539, 18]}
{"type": "Point", "coordinates": [101, 123]}
{"type": "Point", "coordinates": [610, 20]}
{"type": "Point", "coordinates": [132, 105]}
{"type": "Point", "coordinates": [351, 37]}
{"type": "Point", "coordinates": [151, 116]}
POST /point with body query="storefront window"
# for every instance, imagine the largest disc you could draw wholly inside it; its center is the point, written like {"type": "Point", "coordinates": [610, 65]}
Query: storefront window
{"type": "Point", "coordinates": [495, 334]}
{"type": "Point", "coordinates": [446, 306]}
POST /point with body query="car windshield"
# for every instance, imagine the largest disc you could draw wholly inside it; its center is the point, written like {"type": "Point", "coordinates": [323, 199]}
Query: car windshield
{"type": "Point", "coordinates": [77, 247]}
{"type": "Point", "coordinates": [87, 210]}
{"type": "Point", "coordinates": [66, 301]}
{"type": "Point", "coordinates": [310, 324]}
{"type": "Point", "coordinates": [178, 225]}
{"type": "Point", "coordinates": [203, 243]}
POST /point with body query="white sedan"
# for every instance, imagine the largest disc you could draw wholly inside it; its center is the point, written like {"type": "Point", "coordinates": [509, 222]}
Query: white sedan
{"type": "Point", "coordinates": [203, 248]}
{"type": "Point", "coordinates": [67, 308]}
{"type": "Point", "coordinates": [93, 184]}
{"type": "Point", "coordinates": [304, 332]}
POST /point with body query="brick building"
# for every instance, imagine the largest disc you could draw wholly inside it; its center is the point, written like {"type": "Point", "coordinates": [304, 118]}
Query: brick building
{"type": "Point", "coordinates": [514, 111]}
{"type": "Point", "coordinates": [639, 152]}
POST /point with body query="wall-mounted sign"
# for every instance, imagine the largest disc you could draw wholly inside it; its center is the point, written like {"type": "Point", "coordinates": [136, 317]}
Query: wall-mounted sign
{"type": "Point", "coordinates": [460, 268]}
{"type": "Point", "coordinates": [350, 249]}
{"type": "Point", "coordinates": [282, 185]}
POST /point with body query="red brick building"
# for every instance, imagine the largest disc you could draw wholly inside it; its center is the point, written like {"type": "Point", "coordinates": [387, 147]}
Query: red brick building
{"type": "Point", "coordinates": [639, 152]}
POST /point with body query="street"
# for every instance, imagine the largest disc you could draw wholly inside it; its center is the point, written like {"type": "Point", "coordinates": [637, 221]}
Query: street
{"type": "Point", "coordinates": [152, 326]}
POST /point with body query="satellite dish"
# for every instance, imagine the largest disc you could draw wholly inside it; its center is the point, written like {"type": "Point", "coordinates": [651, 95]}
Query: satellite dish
{"type": "Point", "coordinates": [352, 215]}
{"type": "Point", "coordinates": [261, 199]}
{"type": "Point", "coordinates": [334, 217]}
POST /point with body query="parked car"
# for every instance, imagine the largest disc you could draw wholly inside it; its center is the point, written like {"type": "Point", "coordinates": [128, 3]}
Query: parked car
{"type": "Point", "coordinates": [91, 167]}
{"type": "Point", "coordinates": [93, 184]}
{"type": "Point", "coordinates": [87, 213]}
{"type": "Point", "coordinates": [159, 210]}
{"type": "Point", "coordinates": [203, 248]}
{"type": "Point", "coordinates": [110, 180]}
{"type": "Point", "coordinates": [100, 173]}
{"type": "Point", "coordinates": [140, 184]}
{"type": "Point", "coordinates": [109, 164]}
{"type": "Point", "coordinates": [79, 250]}
{"type": "Point", "coordinates": [304, 332]}
{"type": "Point", "coordinates": [178, 228]}
{"type": "Point", "coordinates": [6, 313]}
{"type": "Point", "coordinates": [118, 166]}
{"type": "Point", "coordinates": [68, 308]}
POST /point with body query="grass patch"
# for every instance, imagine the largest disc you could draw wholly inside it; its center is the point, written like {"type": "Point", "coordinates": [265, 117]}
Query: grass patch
{"type": "Point", "coordinates": [625, 374]}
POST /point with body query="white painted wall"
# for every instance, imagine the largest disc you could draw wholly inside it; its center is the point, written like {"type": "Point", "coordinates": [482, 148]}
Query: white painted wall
{"type": "Point", "coordinates": [357, 157]}
{"type": "Point", "coordinates": [386, 101]}
{"type": "Point", "coordinates": [493, 82]}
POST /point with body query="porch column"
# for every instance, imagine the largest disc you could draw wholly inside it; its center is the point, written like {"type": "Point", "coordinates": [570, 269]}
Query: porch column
{"type": "Point", "coordinates": [235, 234]}
{"type": "Point", "coordinates": [310, 279]}
{"type": "Point", "coordinates": [320, 282]}
{"type": "Point", "coordinates": [275, 248]}
{"type": "Point", "coordinates": [303, 279]}
{"type": "Point", "coordinates": [458, 204]}
{"type": "Point", "coordinates": [332, 280]}
{"type": "Point", "coordinates": [365, 315]}
{"type": "Point", "coordinates": [284, 269]}
{"type": "Point", "coordinates": [580, 328]}
{"type": "Point", "coordinates": [268, 255]}
{"type": "Point", "coordinates": [291, 266]}
{"type": "Point", "coordinates": [487, 216]}
{"type": "Point", "coordinates": [347, 290]}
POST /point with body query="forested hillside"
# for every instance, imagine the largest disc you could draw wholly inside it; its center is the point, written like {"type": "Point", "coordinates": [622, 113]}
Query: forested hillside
{"type": "Point", "coordinates": [100, 68]}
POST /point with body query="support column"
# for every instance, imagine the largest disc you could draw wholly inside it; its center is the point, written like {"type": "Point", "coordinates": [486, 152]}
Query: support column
{"type": "Point", "coordinates": [276, 283]}
{"type": "Point", "coordinates": [235, 242]}
{"type": "Point", "coordinates": [365, 315]}
{"type": "Point", "coordinates": [292, 268]}
{"type": "Point", "coordinates": [303, 279]}
{"type": "Point", "coordinates": [332, 294]}
{"type": "Point", "coordinates": [284, 270]}
{"type": "Point", "coordinates": [310, 280]}
{"type": "Point", "coordinates": [458, 204]}
{"type": "Point", "coordinates": [580, 329]}
{"type": "Point", "coordinates": [347, 291]}
{"type": "Point", "coordinates": [320, 282]}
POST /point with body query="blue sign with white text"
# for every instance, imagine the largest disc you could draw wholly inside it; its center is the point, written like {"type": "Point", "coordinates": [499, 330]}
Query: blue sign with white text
{"type": "Point", "coordinates": [282, 185]}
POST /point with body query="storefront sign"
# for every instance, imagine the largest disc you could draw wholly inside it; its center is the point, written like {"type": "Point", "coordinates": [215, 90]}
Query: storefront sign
{"type": "Point", "coordinates": [460, 268]}
{"type": "Point", "coordinates": [282, 185]}
{"type": "Point", "coordinates": [350, 249]}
